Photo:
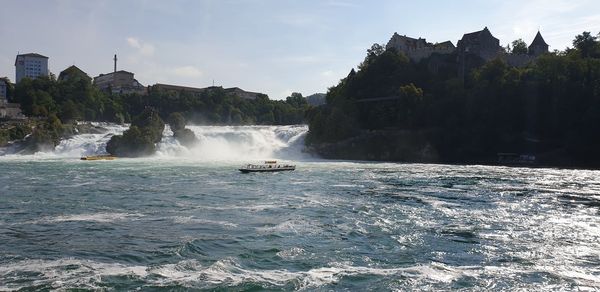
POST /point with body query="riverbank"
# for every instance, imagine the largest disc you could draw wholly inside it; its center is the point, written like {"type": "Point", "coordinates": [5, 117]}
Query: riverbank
{"type": "Point", "coordinates": [427, 146]}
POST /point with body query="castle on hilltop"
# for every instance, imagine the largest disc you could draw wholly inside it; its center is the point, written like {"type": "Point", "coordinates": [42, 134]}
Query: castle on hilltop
{"type": "Point", "coordinates": [417, 49]}
{"type": "Point", "coordinates": [480, 43]}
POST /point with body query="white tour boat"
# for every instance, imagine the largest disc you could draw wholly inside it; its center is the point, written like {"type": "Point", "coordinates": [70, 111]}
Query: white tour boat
{"type": "Point", "coordinates": [268, 166]}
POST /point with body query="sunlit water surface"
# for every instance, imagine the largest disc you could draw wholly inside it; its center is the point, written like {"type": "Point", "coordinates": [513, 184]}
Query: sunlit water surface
{"type": "Point", "coordinates": [175, 222]}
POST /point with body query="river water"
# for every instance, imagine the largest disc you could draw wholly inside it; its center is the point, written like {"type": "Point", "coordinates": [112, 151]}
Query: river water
{"type": "Point", "coordinates": [187, 219]}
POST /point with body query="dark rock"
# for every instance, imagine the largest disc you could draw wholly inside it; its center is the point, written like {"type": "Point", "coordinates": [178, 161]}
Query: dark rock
{"type": "Point", "coordinates": [186, 137]}
{"type": "Point", "coordinates": [141, 138]}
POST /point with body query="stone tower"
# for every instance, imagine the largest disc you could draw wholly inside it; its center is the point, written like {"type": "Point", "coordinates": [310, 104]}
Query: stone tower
{"type": "Point", "coordinates": [538, 46]}
{"type": "Point", "coordinates": [481, 43]}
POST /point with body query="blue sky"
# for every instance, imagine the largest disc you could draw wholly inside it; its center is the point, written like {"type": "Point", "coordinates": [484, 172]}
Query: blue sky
{"type": "Point", "coordinates": [270, 46]}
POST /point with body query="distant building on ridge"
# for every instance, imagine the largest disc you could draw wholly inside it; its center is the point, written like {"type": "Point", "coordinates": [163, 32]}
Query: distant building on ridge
{"type": "Point", "coordinates": [8, 110]}
{"type": "Point", "coordinates": [538, 45]}
{"type": "Point", "coordinates": [417, 49]}
{"type": "Point", "coordinates": [537, 48]}
{"type": "Point", "coordinates": [193, 90]}
{"type": "Point", "coordinates": [73, 73]}
{"type": "Point", "coordinates": [481, 43]}
{"type": "Point", "coordinates": [119, 82]}
{"type": "Point", "coordinates": [30, 65]}
{"type": "Point", "coordinates": [242, 93]}
{"type": "Point", "coordinates": [3, 89]}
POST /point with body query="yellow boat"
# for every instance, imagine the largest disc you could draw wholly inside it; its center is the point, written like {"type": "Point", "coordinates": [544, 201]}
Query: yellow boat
{"type": "Point", "coordinates": [99, 157]}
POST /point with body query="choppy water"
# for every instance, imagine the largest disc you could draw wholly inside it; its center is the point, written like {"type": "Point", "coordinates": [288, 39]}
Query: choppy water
{"type": "Point", "coordinates": [175, 222]}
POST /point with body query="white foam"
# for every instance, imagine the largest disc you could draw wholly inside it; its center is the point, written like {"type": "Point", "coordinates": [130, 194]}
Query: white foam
{"type": "Point", "coordinates": [85, 144]}
{"type": "Point", "coordinates": [255, 208]}
{"type": "Point", "coordinates": [292, 226]}
{"type": "Point", "coordinates": [194, 220]}
{"type": "Point", "coordinates": [235, 143]}
{"type": "Point", "coordinates": [73, 273]}
{"type": "Point", "coordinates": [102, 217]}
{"type": "Point", "coordinates": [228, 272]}
{"type": "Point", "coordinates": [68, 273]}
{"type": "Point", "coordinates": [347, 186]}
{"type": "Point", "coordinates": [291, 253]}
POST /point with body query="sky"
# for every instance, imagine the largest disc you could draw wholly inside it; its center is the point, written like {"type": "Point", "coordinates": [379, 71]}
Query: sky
{"type": "Point", "coordinates": [272, 46]}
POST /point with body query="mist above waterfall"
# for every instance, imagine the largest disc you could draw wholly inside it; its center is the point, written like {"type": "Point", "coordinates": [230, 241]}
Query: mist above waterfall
{"type": "Point", "coordinates": [231, 143]}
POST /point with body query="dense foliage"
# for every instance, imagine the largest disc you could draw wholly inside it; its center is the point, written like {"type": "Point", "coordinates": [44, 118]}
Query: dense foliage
{"type": "Point", "coordinates": [12, 132]}
{"type": "Point", "coordinates": [550, 108]}
{"type": "Point", "coordinates": [73, 99]}
{"type": "Point", "coordinates": [77, 99]}
{"type": "Point", "coordinates": [217, 107]}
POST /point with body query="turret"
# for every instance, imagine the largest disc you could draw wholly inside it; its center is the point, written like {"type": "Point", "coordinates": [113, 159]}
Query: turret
{"type": "Point", "coordinates": [538, 46]}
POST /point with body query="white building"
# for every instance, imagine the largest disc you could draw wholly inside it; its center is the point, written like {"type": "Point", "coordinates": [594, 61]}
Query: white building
{"type": "Point", "coordinates": [31, 65]}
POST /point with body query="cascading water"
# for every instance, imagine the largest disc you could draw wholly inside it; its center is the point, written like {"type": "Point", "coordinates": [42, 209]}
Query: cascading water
{"type": "Point", "coordinates": [238, 143]}
{"type": "Point", "coordinates": [76, 146]}
{"type": "Point", "coordinates": [89, 144]}
{"type": "Point", "coordinates": [216, 143]}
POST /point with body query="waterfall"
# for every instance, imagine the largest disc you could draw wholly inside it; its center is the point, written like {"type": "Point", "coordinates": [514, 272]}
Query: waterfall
{"type": "Point", "coordinates": [216, 143]}
{"type": "Point", "coordinates": [89, 144]}
{"type": "Point", "coordinates": [239, 143]}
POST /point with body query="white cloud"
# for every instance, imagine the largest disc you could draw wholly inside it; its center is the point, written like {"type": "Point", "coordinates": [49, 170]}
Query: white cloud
{"type": "Point", "coordinates": [298, 20]}
{"type": "Point", "coordinates": [134, 43]}
{"type": "Point", "coordinates": [186, 72]}
{"type": "Point", "coordinates": [339, 3]}
{"type": "Point", "coordinates": [283, 94]}
{"type": "Point", "coordinates": [304, 59]}
{"type": "Point", "coordinates": [145, 49]}
{"type": "Point", "coordinates": [327, 73]}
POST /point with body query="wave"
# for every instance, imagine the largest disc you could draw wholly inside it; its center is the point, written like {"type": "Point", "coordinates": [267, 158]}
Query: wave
{"type": "Point", "coordinates": [73, 273]}
{"type": "Point", "coordinates": [87, 217]}
{"type": "Point", "coordinates": [194, 220]}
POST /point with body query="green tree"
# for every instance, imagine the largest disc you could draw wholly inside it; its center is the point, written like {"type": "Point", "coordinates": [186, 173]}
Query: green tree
{"type": "Point", "coordinates": [176, 121]}
{"type": "Point", "coordinates": [296, 100]}
{"type": "Point", "coordinates": [519, 47]}
{"type": "Point", "coordinates": [372, 53]}
{"type": "Point", "coordinates": [587, 45]}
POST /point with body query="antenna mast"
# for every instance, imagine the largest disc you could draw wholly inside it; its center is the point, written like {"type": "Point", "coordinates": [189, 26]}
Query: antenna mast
{"type": "Point", "coordinates": [115, 63]}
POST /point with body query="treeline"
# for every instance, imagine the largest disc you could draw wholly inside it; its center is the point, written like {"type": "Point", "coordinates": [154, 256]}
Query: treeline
{"type": "Point", "coordinates": [74, 99]}
{"type": "Point", "coordinates": [217, 107]}
{"type": "Point", "coordinates": [77, 99]}
{"type": "Point", "coordinates": [550, 108]}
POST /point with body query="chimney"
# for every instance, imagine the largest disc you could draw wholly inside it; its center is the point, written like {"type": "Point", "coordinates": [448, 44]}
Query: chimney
{"type": "Point", "coordinates": [115, 63]}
